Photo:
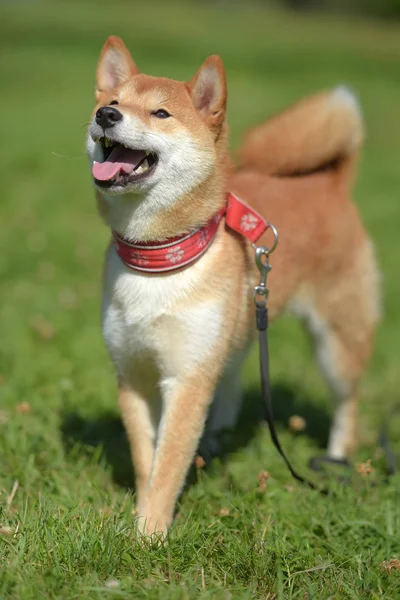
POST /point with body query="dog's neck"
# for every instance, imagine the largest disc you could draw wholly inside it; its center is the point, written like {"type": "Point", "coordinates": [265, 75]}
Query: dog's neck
{"type": "Point", "coordinates": [145, 218]}
{"type": "Point", "coordinates": [157, 217]}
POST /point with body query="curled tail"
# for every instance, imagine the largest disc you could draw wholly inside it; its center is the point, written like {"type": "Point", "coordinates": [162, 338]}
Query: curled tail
{"type": "Point", "coordinates": [324, 130]}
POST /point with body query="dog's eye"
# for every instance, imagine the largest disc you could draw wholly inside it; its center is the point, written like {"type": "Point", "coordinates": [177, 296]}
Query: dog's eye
{"type": "Point", "coordinates": [161, 114]}
{"type": "Point", "coordinates": [113, 102]}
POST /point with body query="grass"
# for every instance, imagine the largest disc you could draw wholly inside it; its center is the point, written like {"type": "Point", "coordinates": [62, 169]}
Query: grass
{"type": "Point", "coordinates": [65, 475]}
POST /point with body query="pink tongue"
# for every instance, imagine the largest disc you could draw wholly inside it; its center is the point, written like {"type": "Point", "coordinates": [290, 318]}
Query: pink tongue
{"type": "Point", "coordinates": [120, 159]}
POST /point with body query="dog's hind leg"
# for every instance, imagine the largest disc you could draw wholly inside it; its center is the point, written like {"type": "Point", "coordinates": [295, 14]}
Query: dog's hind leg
{"type": "Point", "coordinates": [341, 314]}
{"type": "Point", "coordinates": [224, 412]}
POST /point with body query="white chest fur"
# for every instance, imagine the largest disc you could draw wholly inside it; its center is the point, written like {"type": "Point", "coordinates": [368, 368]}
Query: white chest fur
{"type": "Point", "coordinates": [156, 318]}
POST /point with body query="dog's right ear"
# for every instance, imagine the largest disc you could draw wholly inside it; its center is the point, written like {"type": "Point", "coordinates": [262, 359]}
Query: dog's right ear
{"type": "Point", "coordinates": [115, 66]}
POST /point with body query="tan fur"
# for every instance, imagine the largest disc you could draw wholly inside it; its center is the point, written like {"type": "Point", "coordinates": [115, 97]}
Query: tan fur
{"type": "Point", "coordinates": [323, 270]}
{"type": "Point", "coordinates": [314, 133]}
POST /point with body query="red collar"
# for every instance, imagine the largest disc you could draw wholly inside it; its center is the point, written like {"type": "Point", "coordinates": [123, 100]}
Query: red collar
{"type": "Point", "coordinates": [174, 253]}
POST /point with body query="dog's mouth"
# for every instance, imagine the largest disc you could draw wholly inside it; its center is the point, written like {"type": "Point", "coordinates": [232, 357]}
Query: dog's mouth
{"type": "Point", "coordinates": [121, 165]}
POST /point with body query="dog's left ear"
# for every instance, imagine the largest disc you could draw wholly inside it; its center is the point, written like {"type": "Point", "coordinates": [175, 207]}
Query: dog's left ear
{"type": "Point", "coordinates": [208, 91]}
{"type": "Point", "coordinates": [115, 66]}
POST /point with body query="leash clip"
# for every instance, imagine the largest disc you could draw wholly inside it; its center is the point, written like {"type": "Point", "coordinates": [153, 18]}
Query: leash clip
{"type": "Point", "coordinates": [260, 294]}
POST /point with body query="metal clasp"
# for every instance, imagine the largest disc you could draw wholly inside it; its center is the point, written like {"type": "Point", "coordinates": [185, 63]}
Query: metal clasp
{"type": "Point", "coordinates": [260, 294]}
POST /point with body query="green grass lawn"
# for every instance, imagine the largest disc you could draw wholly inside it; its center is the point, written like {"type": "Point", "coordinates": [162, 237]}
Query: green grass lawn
{"type": "Point", "coordinates": [66, 529]}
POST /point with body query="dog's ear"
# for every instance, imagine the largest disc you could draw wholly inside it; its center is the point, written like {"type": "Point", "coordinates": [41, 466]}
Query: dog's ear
{"type": "Point", "coordinates": [115, 66]}
{"type": "Point", "coordinates": [208, 91]}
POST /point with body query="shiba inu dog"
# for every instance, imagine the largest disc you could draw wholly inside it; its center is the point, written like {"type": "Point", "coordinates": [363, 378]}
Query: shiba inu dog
{"type": "Point", "coordinates": [178, 314]}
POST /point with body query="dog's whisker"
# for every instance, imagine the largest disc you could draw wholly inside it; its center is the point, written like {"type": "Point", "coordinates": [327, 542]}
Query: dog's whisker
{"type": "Point", "coordinates": [68, 157]}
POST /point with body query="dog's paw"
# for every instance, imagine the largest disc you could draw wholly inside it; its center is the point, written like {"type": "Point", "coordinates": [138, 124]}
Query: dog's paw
{"type": "Point", "coordinates": [152, 526]}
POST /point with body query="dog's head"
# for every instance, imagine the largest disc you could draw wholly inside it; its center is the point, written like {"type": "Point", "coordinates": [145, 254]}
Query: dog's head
{"type": "Point", "coordinates": [152, 135]}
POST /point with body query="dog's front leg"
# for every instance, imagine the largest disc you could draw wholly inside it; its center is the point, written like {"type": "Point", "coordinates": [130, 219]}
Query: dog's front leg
{"type": "Point", "coordinates": [140, 421]}
{"type": "Point", "coordinates": [185, 409]}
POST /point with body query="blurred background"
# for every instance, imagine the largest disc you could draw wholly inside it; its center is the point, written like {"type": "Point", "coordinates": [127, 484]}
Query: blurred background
{"type": "Point", "coordinates": [372, 8]}
{"type": "Point", "coordinates": [53, 366]}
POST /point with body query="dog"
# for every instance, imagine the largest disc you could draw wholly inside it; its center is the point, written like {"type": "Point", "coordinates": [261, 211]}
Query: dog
{"type": "Point", "coordinates": [178, 329]}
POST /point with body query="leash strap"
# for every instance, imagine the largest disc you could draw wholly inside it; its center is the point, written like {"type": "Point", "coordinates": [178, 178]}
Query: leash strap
{"type": "Point", "coordinates": [262, 327]}
{"type": "Point", "coordinates": [260, 297]}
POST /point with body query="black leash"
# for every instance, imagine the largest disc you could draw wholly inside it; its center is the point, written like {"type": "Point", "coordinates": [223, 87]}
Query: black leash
{"type": "Point", "coordinates": [262, 326]}
{"type": "Point", "coordinates": [260, 298]}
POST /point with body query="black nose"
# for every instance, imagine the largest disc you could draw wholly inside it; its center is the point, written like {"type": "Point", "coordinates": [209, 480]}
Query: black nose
{"type": "Point", "coordinates": [107, 116]}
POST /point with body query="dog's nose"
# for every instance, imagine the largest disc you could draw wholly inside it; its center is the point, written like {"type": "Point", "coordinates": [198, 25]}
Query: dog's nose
{"type": "Point", "coordinates": [108, 116]}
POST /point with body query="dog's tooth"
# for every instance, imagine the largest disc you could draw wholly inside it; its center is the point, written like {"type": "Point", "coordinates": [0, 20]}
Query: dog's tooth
{"type": "Point", "coordinates": [139, 169]}
{"type": "Point", "coordinates": [145, 164]}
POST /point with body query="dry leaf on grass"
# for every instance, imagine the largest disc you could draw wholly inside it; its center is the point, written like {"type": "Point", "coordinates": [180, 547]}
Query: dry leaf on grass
{"type": "Point", "coordinates": [5, 530]}
{"type": "Point", "coordinates": [289, 488]}
{"type": "Point", "coordinates": [12, 493]}
{"type": "Point", "coordinates": [112, 584]}
{"type": "Point", "coordinates": [263, 477]}
{"type": "Point", "coordinates": [199, 462]}
{"type": "Point", "coordinates": [43, 329]}
{"type": "Point", "coordinates": [23, 407]}
{"type": "Point", "coordinates": [297, 424]}
{"type": "Point", "coordinates": [365, 468]}
{"type": "Point", "coordinates": [389, 565]}
{"type": "Point", "coordinates": [224, 512]}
